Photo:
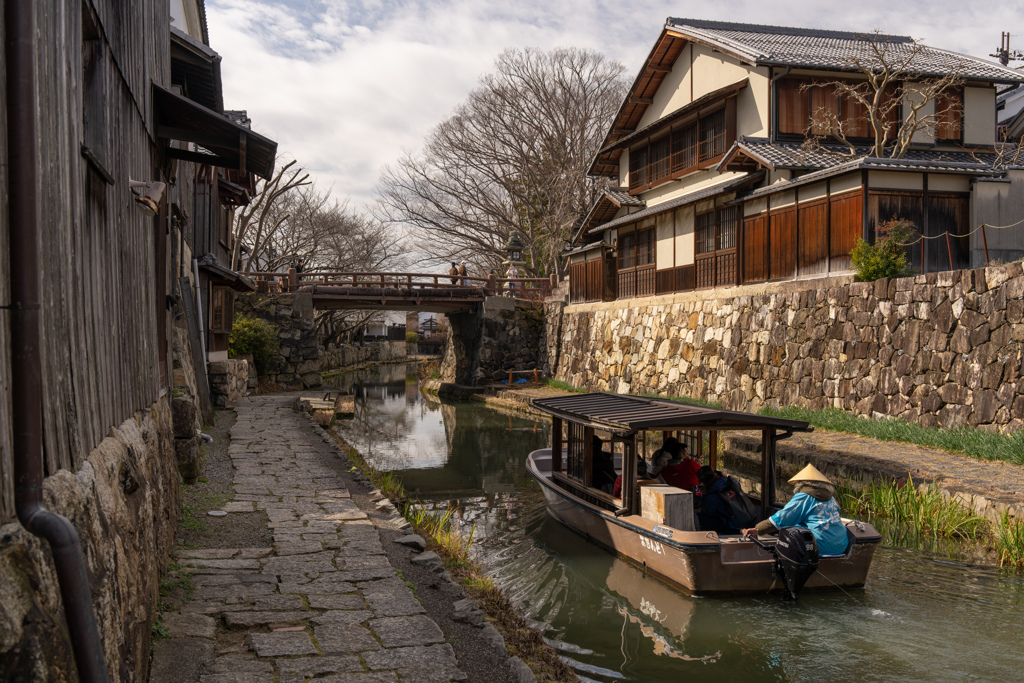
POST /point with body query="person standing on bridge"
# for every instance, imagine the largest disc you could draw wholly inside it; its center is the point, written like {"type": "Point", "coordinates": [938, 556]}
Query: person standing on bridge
{"type": "Point", "coordinates": [511, 274]}
{"type": "Point", "coordinates": [454, 272]}
{"type": "Point", "coordinates": [463, 273]}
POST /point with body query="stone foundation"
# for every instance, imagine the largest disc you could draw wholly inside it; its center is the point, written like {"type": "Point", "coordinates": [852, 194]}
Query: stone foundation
{"type": "Point", "coordinates": [229, 379]}
{"type": "Point", "coordinates": [347, 355]}
{"type": "Point", "coordinates": [938, 349]}
{"type": "Point", "coordinates": [123, 501]}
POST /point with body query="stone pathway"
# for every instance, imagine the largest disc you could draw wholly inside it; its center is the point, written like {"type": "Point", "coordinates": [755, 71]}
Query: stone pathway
{"type": "Point", "coordinates": [323, 602]}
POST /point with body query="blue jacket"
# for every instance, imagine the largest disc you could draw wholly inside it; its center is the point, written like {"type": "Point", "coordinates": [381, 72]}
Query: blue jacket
{"type": "Point", "coordinates": [820, 517]}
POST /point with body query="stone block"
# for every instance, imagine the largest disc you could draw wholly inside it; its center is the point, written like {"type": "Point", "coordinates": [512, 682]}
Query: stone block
{"type": "Point", "coordinates": [186, 453]}
{"type": "Point", "coordinates": [280, 644]}
{"type": "Point", "coordinates": [183, 411]}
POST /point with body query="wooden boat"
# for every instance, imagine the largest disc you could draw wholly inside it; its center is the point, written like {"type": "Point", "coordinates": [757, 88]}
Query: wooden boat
{"type": "Point", "coordinates": [699, 562]}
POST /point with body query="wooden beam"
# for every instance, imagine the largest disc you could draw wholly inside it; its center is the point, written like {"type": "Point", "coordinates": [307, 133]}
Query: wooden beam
{"type": "Point", "coordinates": [623, 131]}
{"type": "Point", "coordinates": [641, 100]}
{"type": "Point", "coordinates": [242, 141]}
{"type": "Point", "coordinates": [655, 68]}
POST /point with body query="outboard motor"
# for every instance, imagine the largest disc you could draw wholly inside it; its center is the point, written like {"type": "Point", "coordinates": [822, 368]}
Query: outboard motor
{"type": "Point", "coordinates": [796, 558]}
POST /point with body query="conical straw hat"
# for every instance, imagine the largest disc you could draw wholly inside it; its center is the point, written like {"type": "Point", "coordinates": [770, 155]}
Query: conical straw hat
{"type": "Point", "coordinates": [809, 473]}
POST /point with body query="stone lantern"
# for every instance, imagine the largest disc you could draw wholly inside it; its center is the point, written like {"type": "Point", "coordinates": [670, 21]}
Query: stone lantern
{"type": "Point", "coordinates": [514, 251]}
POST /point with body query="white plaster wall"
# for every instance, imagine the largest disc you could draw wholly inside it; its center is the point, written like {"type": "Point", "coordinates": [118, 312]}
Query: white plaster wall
{"type": "Point", "coordinates": [665, 243]}
{"type": "Point", "coordinates": [755, 207]}
{"type": "Point", "coordinates": [895, 181]}
{"type": "Point", "coordinates": [185, 17]}
{"type": "Point", "coordinates": [782, 199]}
{"type": "Point", "coordinates": [940, 182]}
{"type": "Point", "coordinates": [979, 116]}
{"type": "Point", "coordinates": [815, 191]}
{"type": "Point", "coordinates": [998, 203]}
{"type": "Point", "coordinates": [624, 168]}
{"type": "Point", "coordinates": [712, 71]}
{"type": "Point", "coordinates": [684, 236]}
{"type": "Point", "coordinates": [686, 185]}
{"type": "Point", "coordinates": [846, 182]}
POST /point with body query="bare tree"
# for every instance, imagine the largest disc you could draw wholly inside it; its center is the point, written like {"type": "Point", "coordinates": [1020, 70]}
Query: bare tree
{"type": "Point", "coordinates": [891, 99]}
{"type": "Point", "coordinates": [256, 223]}
{"type": "Point", "coordinates": [513, 156]}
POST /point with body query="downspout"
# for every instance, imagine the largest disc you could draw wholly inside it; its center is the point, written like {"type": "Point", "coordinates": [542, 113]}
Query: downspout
{"type": "Point", "coordinates": [773, 124]}
{"type": "Point", "coordinates": [199, 311]}
{"type": "Point", "coordinates": [26, 366]}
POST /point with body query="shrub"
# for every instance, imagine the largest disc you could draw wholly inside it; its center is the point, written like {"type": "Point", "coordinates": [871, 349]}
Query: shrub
{"type": "Point", "coordinates": [887, 257]}
{"type": "Point", "coordinates": [252, 335]}
{"type": "Point", "coordinates": [412, 338]}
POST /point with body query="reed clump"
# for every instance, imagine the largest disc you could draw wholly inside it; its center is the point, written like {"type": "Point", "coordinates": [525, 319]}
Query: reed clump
{"type": "Point", "coordinates": [1008, 535]}
{"type": "Point", "coordinates": [926, 509]}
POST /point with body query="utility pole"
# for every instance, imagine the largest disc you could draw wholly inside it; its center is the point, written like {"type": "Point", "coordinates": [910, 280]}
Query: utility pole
{"type": "Point", "coordinates": [1005, 55]}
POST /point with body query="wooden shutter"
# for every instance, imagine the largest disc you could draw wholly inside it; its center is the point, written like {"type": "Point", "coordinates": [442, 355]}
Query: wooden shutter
{"type": "Point", "coordinates": [222, 309]}
{"type": "Point", "coordinates": [949, 115]}
{"type": "Point", "coordinates": [794, 106]}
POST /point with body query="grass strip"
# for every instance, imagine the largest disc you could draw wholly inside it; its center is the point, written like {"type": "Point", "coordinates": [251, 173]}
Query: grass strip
{"type": "Point", "coordinates": [563, 386]}
{"type": "Point", "coordinates": [927, 512]}
{"type": "Point", "coordinates": [444, 538]}
{"type": "Point", "coordinates": [973, 442]}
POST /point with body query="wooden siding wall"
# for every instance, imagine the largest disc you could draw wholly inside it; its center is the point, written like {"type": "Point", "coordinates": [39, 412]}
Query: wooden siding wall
{"type": "Point", "coordinates": [98, 253]}
{"type": "Point", "coordinates": [933, 214]}
{"type": "Point", "coordinates": [807, 238]}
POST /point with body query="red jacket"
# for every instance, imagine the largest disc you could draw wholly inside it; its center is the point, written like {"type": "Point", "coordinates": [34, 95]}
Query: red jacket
{"type": "Point", "coordinates": [682, 475]}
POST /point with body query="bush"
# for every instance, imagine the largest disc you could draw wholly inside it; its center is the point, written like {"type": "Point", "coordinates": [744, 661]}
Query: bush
{"type": "Point", "coordinates": [251, 335]}
{"type": "Point", "coordinates": [412, 338]}
{"type": "Point", "coordinates": [887, 257]}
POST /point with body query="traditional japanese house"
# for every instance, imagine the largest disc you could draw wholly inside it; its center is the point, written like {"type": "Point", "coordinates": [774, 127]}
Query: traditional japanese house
{"type": "Point", "coordinates": [714, 186]}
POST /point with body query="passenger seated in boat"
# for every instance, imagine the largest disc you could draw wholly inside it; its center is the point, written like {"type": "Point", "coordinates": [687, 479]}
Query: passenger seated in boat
{"type": "Point", "coordinates": [725, 507]}
{"type": "Point", "coordinates": [813, 507]}
{"type": "Point", "coordinates": [641, 473]}
{"type": "Point", "coordinates": [681, 471]}
{"type": "Point", "coordinates": [603, 469]}
{"type": "Point", "coordinates": [670, 448]}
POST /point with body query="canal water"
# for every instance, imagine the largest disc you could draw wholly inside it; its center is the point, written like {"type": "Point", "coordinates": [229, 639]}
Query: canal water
{"type": "Point", "coordinates": [922, 615]}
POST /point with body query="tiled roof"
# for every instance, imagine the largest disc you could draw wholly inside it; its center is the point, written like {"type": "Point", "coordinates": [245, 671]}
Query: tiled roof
{"type": "Point", "coordinates": [691, 198]}
{"type": "Point", "coordinates": [820, 49]}
{"type": "Point", "coordinates": [607, 204]}
{"type": "Point", "coordinates": [789, 155]}
{"type": "Point", "coordinates": [585, 248]}
{"type": "Point", "coordinates": [622, 197]}
{"type": "Point", "coordinates": [973, 168]}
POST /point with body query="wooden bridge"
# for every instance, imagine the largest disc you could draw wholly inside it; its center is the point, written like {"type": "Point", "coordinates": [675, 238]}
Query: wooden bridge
{"type": "Point", "coordinates": [400, 291]}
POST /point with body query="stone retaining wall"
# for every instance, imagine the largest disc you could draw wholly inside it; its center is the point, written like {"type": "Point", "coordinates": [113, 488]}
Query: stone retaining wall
{"type": "Point", "coordinates": [347, 355]}
{"type": "Point", "coordinates": [229, 379]}
{"type": "Point", "coordinates": [297, 364]}
{"type": "Point", "coordinates": [123, 501]}
{"type": "Point", "coordinates": [501, 335]}
{"type": "Point", "coordinates": [938, 349]}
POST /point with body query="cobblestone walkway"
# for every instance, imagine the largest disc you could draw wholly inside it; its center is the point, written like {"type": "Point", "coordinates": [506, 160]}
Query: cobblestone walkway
{"type": "Point", "coordinates": [323, 602]}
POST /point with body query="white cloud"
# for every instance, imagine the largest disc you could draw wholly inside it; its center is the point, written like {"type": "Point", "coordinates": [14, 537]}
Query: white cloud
{"type": "Point", "coordinates": [345, 86]}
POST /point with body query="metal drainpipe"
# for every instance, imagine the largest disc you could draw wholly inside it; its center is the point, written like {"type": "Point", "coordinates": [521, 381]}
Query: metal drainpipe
{"type": "Point", "coordinates": [26, 373]}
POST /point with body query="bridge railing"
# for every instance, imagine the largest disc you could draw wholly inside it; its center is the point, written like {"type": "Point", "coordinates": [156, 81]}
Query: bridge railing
{"type": "Point", "coordinates": [535, 288]}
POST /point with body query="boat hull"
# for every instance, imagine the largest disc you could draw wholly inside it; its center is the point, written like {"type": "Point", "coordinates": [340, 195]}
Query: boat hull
{"type": "Point", "coordinates": [699, 562]}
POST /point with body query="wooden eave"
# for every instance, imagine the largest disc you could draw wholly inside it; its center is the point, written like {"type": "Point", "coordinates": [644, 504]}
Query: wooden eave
{"type": "Point", "coordinates": [641, 94]}
{"type": "Point", "coordinates": [740, 159]}
{"type": "Point", "coordinates": [229, 144]}
{"type": "Point", "coordinates": [604, 210]}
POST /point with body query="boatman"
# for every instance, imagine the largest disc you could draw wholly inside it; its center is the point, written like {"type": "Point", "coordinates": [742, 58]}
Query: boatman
{"type": "Point", "coordinates": [813, 507]}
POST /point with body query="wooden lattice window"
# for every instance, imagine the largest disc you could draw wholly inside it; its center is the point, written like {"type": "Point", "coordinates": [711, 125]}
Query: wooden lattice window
{"type": "Point", "coordinates": [712, 135]}
{"type": "Point", "coordinates": [659, 164]}
{"type": "Point", "coordinates": [705, 232]}
{"type": "Point", "coordinates": [222, 309]}
{"type": "Point", "coordinates": [727, 228]}
{"type": "Point", "coordinates": [685, 147]}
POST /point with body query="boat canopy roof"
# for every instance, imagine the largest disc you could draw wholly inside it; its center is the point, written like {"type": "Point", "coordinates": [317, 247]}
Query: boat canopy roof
{"type": "Point", "coordinates": [622, 412]}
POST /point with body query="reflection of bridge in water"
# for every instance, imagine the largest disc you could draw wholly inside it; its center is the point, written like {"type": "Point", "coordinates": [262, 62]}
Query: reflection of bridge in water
{"type": "Point", "coordinates": [400, 291]}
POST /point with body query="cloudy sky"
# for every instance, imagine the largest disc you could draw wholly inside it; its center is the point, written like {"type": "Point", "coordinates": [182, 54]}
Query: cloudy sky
{"type": "Point", "coordinates": [345, 86]}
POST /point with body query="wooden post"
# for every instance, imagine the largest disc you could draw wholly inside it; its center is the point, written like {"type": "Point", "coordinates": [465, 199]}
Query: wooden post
{"type": "Point", "coordinates": [984, 241]}
{"type": "Point", "coordinates": [949, 251]}
{"type": "Point", "coordinates": [536, 377]}
{"type": "Point", "coordinates": [556, 444]}
{"type": "Point", "coordinates": [629, 485]}
{"type": "Point", "coordinates": [510, 378]}
{"type": "Point", "coordinates": [492, 284]}
{"type": "Point", "coordinates": [713, 450]}
{"type": "Point", "coordinates": [587, 475]}
{"type": "Point", "coordinates": [293, 280]}
{"type": "Point", "coordinates": [766, 446]}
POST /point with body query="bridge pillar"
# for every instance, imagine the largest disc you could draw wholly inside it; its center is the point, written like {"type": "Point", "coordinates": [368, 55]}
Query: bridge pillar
{"type": "Point", "coordinates": [500, 335]}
